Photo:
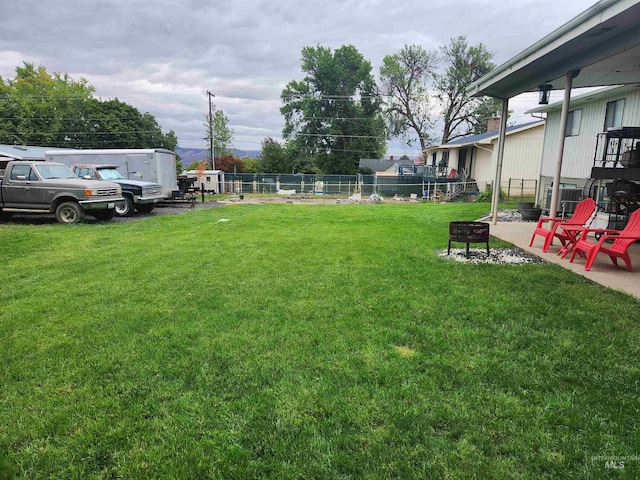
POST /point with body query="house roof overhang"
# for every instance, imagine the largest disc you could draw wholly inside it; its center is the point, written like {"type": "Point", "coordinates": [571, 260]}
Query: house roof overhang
{"type": "Point", "coordinates": [581, 99]}
{"type": "Point", "coordinates": [602, 44]}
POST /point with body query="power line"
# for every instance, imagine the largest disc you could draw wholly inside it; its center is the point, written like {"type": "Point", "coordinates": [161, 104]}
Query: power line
{"type": "Point", "coordinates": [104, 132]}
{"type": "Point", "coordinates": [87, 119]}
{"type": "Point", "coordinates": [338, 135]}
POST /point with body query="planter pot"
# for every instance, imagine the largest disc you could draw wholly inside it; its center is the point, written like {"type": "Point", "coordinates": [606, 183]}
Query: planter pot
{"type": "Point", "coordinates": [523, 205]}
{"type": "Point", "coordinates": [530, 214]}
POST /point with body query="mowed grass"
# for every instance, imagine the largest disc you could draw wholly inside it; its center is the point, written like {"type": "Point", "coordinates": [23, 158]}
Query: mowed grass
{"type": "Point", "coordinates": [305, 341]}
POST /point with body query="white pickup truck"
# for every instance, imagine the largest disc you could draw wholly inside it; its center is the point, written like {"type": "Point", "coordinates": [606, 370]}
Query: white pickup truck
{"type": "Point", "coordinates": [35, 187]}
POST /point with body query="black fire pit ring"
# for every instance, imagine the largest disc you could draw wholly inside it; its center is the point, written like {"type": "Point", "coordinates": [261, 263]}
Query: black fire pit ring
{"type": "Point", "coordinates": [468, 232]}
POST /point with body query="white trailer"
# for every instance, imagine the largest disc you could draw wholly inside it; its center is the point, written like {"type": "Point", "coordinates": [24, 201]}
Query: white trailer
{"type": "Point", "coordinates": [152, 165]}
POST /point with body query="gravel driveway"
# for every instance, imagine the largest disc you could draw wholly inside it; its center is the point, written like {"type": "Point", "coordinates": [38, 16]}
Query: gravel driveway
{"type": "Point", "coordinates": [165, 209]}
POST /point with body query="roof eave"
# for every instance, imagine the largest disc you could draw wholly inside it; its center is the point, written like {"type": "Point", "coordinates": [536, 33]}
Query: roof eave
{"type": "Point", "coordinates": [580, 24]}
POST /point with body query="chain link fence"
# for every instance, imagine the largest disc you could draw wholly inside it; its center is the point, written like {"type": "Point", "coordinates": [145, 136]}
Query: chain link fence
{"type": "Point", "coordinates": [409, 186]}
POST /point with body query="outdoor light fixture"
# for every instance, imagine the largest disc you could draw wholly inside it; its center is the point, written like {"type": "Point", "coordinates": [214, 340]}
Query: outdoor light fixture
{"type": "Point", "coordinates": [545, 91]}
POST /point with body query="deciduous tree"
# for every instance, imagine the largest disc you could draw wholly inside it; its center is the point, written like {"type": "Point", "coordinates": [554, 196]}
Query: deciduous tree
{"type": "Point", "coordinates": [38, 108]}
{"type": "Point", "coordinates": [465, 64]}
{"type": "Point", "coordinates": [222, 135]}
{"type": "Point", "coordinates": [273, 157]}
{"type": "Point", "coordinates": [229, 164]}
{"type": "Point", "coordinates": [405, 78]}
{"type": "Point", "coordinates": [335, 111]}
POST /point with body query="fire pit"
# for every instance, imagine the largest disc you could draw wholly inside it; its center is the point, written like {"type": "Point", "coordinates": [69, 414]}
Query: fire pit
{"type": "Point", "coordinates": [468, 232]}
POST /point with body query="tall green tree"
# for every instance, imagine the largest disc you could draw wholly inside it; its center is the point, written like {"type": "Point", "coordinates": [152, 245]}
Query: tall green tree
{"type": "Point", "coordinates": [42, 109]}
{"type": "Point", "coordinates": [405, 79]}
{"type": "Point", "coordinates": [334, 113]}
{"type": "Point", "coordinates": [116, 124]}
{"type": "Point", "coordinates": [38, 108]}
{"type": "Point", "coordinates": [273, 157]}
{"type": "Point", "coordinates": [251, 165]}
{"type": "Point", "coordinates": [464, 65]}
{"type": "Point", "coordinates": [222, 135]}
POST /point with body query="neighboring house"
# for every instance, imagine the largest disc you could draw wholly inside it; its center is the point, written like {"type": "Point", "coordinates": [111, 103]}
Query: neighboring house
{"type": "Point", "coordinates": [475, 156]}
{"type": "Point", "coordinates": [590, 114]}
{"type": "Point", "coordinates": [213, 180]}
{"type": "Point", "coordinates": [386, 166]}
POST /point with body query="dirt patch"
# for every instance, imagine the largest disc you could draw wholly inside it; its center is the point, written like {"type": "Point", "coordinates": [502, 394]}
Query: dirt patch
{"type": "Point", "coordinates": [405, 351]}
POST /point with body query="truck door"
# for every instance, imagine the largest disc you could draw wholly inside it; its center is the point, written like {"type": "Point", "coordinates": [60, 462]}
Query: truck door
{"type": "Point", "coordinates": [24, 189]}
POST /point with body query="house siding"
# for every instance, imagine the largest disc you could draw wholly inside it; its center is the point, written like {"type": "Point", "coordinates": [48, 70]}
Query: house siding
{"type": "Point", "coordinates": [482, 163]}
{"type": "Point", "coordinates": [579, 150]}
{"type": "Point", "coordinates": [523, 152]}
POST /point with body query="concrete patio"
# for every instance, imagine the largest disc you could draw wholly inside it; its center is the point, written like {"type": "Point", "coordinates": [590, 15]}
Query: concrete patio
{"type": "Point", "coordinates": [603, 270]}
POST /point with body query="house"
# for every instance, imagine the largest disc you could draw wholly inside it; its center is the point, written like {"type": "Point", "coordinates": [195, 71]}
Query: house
{"type": "Point", "coordinates": [386, 166]}
{"type": "Point", "coordinates": [599, 47]}
{"type": "Point", "coordinates": [475, 156]}
{"type": "Point", "coordinates": [590, 115]}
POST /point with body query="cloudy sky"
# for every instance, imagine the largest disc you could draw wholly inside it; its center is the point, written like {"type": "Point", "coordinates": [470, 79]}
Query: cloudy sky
{"type": "Point", "coordinates": [163, 55]}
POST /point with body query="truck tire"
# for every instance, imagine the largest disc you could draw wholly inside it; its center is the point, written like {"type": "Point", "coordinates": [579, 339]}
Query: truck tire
{"type": "Point", "coordinates": [145, 207]}
{"type": "Point", "coordinates": [69, 212]}
{"type": "Point", "coordinates": [125, 209]}
{"type": "Point", "coordinates": [104, 214]}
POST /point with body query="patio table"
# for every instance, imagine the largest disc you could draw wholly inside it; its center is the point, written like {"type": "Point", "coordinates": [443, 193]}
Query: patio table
{"type": "Point", "coordinates": [572, 233]}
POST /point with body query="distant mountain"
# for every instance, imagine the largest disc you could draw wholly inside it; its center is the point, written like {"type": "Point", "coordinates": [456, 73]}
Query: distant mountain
{"type": "Point", "coordinates": [188, 155]}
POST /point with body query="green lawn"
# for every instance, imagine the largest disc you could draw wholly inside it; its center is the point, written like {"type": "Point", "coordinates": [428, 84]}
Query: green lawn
{"type": "Point", "coordinates": [290, 341]}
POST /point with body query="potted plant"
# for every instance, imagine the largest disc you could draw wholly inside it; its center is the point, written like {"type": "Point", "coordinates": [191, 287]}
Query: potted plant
{"type": "Point", "coordinates": [531, 214]}
{"type": "Point", "coordinates": [523, 205]}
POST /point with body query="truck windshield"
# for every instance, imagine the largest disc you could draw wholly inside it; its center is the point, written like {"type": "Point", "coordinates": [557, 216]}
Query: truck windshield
{"type": "Point", "coordinates": [110, 174]}
{"type": "Point", "coordinates": [55, 171]}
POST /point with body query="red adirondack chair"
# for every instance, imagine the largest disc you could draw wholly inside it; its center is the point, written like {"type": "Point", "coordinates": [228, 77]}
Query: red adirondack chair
{"type": "Point", "coordinates": [622, 240]}
{"type": "Point", "coordinates": [580, 216]}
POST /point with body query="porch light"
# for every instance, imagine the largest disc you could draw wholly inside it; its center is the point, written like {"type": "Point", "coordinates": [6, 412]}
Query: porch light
{"type": "Point", "coordinates": [545, 91]}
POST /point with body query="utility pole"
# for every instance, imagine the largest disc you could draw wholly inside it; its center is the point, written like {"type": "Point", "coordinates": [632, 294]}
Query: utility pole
{"type": "Point", "coordinates": [211, 131]}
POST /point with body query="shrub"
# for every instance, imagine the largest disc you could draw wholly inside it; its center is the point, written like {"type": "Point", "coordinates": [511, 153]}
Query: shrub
{"type": "Point", "coordinates": [488, 194]}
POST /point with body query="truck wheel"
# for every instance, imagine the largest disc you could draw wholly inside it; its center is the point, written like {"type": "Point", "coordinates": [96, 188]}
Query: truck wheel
{"type": "Point", "coordinates": [125, 209]}
{"type": "Point", "coordinates": [69, 212]}
{"type": "Point", "coordinates": [104, 214]}
{"type": "Point", "coordinates": [145, 208]}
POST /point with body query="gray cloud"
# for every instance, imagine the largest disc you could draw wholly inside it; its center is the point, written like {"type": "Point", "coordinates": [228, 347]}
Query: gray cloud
{"type": "Point", "coordinates": [163, 55]}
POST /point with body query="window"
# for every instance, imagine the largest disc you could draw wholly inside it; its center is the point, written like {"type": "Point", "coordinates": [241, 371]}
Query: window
{"type": "Point", "coordinates": [23, 171]}
{"type": "Point", "coordinates": [82, 172]}
{"type": "Point", "coordinates": [573, 123]}
{"type": "Point", "coordinates": [613, 117]}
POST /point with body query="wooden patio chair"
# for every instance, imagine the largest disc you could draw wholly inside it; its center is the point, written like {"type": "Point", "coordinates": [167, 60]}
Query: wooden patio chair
{"type": "Point", "coordinates": [622, 240]}
{"type": "Point", "coordinates": [580, 216]}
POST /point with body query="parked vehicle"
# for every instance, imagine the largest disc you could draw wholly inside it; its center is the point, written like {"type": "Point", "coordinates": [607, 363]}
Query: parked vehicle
{"type": "Point", "coordinates": [156, 165]}
{"type": "Point", "coordinates": [39, 187]}
{"type": "Point", "coordinates": [137, 194]}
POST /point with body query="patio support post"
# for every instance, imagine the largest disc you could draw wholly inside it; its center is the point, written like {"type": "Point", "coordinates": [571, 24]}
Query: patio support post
{"type": "Point", "coordinates": [496, 184]}
{"type": "Point", "coordinates": [555, 191]}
